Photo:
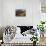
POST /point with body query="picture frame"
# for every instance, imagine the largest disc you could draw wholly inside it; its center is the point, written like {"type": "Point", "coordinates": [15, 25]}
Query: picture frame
{"type": "Point", "coordinates": [20, 12]}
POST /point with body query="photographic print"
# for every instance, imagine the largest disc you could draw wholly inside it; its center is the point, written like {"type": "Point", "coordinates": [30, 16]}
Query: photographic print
{"type": "Point", "coordinates": [20, 12]}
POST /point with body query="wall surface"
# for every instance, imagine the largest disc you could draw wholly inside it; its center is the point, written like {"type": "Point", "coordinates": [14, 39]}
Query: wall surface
{"type": "Point", "coordinates": [0, 12]}
{"type": "Point", "coordinates": [32, 8]}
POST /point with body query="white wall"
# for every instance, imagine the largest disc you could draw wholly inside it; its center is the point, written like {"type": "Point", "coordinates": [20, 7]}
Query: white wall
{"type": "Point", "coordinates": [0, 12]}
{"type": "Point", "coordinates": [32, 8]}
{"type": "Point", "coordinates": [36, 12]}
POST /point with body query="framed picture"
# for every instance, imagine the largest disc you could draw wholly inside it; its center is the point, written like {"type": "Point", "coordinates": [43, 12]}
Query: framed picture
{"type": "Point", "coordinates": [20, 12]}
